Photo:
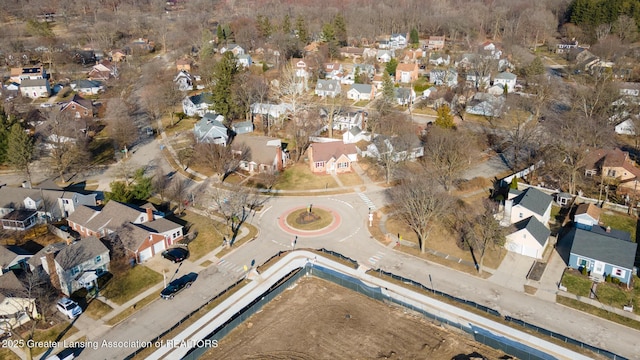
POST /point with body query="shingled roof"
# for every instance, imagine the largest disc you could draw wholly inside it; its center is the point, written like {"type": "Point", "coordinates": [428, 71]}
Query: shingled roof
{"type": "Point", "coordinates": [327, 151]}
{"type": "Point", "coordinates": [603, 248]}
{"type": "Point", "coordinates": [80, 251]}
{"type": "Point", "coordinates": [535, 228]}
{"type": "Point", "coordinates": [534, 200]}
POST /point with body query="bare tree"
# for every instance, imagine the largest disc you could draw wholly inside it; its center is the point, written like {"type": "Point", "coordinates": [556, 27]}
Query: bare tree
{"type": "Point", "coordinates": [248, 89]}
{"type": "Point", "coordinates": [161, 183]}
{"type": "Point", "coordinates": [444, 156]}
{"type": "Point", "coordinates": [223, 160]}
{"type": "Point", "coordinates": [419, 201]}
{"type": "Point", "coordinates": [121, 127]}
{"type": "Point", "coordinates": [395, 144]}
{"type": "Point", "coordinates": [65, 149]}
{"type": "Point", "coordinates": [292, 89]}
{"type": "Point", "coordinates": [482, 231]}
{"type": "Point", "coordinates": [236, 204]}
{"type": "Point", "coordinates": [178, 193]}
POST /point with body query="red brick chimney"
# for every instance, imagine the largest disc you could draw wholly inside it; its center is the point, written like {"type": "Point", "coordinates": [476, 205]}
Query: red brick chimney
{"type": "Point", "coordinates": [149, 214]}
{"type": "Point", "coordinates": [51, 266]}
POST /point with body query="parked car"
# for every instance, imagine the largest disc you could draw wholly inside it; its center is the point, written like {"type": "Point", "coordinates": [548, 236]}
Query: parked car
{"type": "Point", "coordinates": [178, 285]}
{"type": "Point", "coordinates": [69, 308]}
{"type": "Point", "coordinates": [176, 254]}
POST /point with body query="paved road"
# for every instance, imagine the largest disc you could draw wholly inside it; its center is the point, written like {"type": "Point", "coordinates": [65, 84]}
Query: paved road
{"type": "Point", "coordinates": [352, 239]}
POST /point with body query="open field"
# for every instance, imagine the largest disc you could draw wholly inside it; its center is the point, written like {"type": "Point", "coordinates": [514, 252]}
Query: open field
{"type": "Point", "coordinates": [321, 320]}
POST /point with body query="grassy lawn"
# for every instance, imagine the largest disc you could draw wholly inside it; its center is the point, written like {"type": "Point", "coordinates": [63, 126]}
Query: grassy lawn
{"type": "Point", "coordinates": [208, 238]}
{"type": "Point", "coordinates": [324, 219]}
{"type": "Point", "coordinates": [576, 283]}
{"type": "Point", "coordinates": [253, 232]}
{"type": "Point", "coordinates": [132, 309]}
{"type": "Point", "coordinates": [97, 309]}
{"type": "Point", "coordinates": [300, 177]}
{"type": "Point", "coordinates": [102, 151]}
{"type": "Point", "coordinates": [52, 334]}
{"type": "Point", "coordinates": [620, 222]}
{"type": "Point", "coordinates": [617, 297]}
{"type": "Point", "coordinates": [350, 179]}
{"type": "Point", "coordinates": [134, 282]}
{"type": "Point", "coordinates": [175, 166]}
{"type": "Point", "coordinates": [7, 354]}
{"type": "Point", "coordinates": [599, 312]}
{"type": "Point", "coordinates": [179, 126]}
{"type": "Point", "coordinates": [361, 103]}
{"type": "Point", "coordinates": [424, 111]}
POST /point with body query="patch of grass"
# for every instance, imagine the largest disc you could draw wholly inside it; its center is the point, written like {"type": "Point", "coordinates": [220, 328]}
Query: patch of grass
{"type": "Point", "coordinates": [102, 151]}
{"type": "Point", "coordinates": [350, 179]}
{"type": "Point", "coordinates": [617, 297]}
{"type": "Point", "coordinates": [576, 283]}
{"type": "Point", "coordinates": [300, 177]}
{"type": "Point", "coordinates": [97, 309]}
{"type": "Point", "coordinates": [179, 126]}
{"type": "Point", "coordinates": [234, 178]}
{"type": "Point", "coordinates": [599, 312]}
{"type": "Point", "coordinates": [52, 334]}
{"type": "Point", "coordinates": [253, 233]}
{"type": "Point", "coordinates": [7, 354]}
{"type": "Point", "coordinates": [209, 236]}
{"type": "Point", "coordinates": [134, 282]}
{"type": "Point", "coordinates": [206, 263]}
{"type": "Point", "coordinates": [132, 309]}
{"type": "Point", "coordinates": [178, 168]}
{"type": "Point", "coordinates": [621, 222]}
{"type": "Point", "coordinates": [361, 103]}
{"type": "Point", "coordinates": [324, 219]}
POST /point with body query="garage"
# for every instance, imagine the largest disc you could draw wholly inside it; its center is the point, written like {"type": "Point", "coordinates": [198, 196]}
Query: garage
{"type": "Point", "coordinates": [158, 247]}
{"type": "Point", "coordinates": [529, 239]}
{"type": "Point", "coordinates": [145, 254]}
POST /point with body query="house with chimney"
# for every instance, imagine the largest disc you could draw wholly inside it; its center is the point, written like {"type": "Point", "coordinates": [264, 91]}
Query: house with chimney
{"type": "Point", "coordinates": [211, 129]}
{"type": "Point", "coordinates": [72, 266]}
{"type": "Point", "coordinates": [615, 166]}
{"type": "Point", "coordinates": [103, 71]}
{"type": "Point", "coordinates": [143, 231]}
{"type": "Point", "coordinates": [528, 212]}
{"type": "Point", "coordinates": [331, 157]}
{"type": "Point", "coordinates": [78, 107]}
{"type": "Point", "coordinates": [265, 154]}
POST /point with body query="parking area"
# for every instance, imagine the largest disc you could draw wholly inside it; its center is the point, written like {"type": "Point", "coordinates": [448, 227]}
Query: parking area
{"type": "Point", "coordinates": [512, 272]}
{"type": "Point", "coordinates": [163, 266]}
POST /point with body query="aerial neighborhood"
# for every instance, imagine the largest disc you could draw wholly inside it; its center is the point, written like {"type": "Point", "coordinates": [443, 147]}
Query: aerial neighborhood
{"type": "Point", "coordinates": [181, 163]}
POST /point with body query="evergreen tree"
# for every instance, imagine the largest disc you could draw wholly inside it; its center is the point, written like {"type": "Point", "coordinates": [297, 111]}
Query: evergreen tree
{"type": "Point", "coordinates": [119, 192]}
{"type": "Point", "coordinates": [220, 34]}
{"type": "Point", "coordinates": [340, 30]}
{"type": "Point", "coordinates": [536, 67]}
{"type": "Point", "coordinates": [224, 74]}
{"type": "Point", "coordinates": [20, 150]}
{"type": "Point", "coordinates": [391, 66]}
{"type": "Point", "coordinates": [388, 90]}
{"type": "Point", "coordinates": [414, 38]}
{"type": "Point", "coordinates": [444, 117]}
{"type": "Point", "coordinates": [286, 25]}
{"type": "Point", "coordinates": [142, 187]}
{"type": "Point", "coordinates": [301, 29]}
{"type": "Point", "coordinates": [264, 26]}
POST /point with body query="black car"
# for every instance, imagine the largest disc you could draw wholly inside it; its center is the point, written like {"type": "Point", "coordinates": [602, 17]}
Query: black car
{"type": "Point", "coordinates": [176, 254]}
{"type": "Point", "coordinates": [178, 285]}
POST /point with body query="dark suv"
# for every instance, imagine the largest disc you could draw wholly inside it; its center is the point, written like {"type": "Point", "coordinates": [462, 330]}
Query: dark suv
{"type": "Point", "coordinates": [178, 285]}
{"type": "Point", "coordinates": [176, 254]}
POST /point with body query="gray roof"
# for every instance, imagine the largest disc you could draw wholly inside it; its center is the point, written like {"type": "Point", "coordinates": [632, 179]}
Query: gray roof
{"type": "Point", "coordinates": [112, 216]}
{"type": "Point", "coordinates": [355, 130]}
{"type": "Point", "coordinates": [33, 82]}
{"type": "Point", "coordinates": [262, 149]}
{"type": "Point", "coordinates": [11, 286]}
{"type": "Point", "coordinates": [160, 225]}
{"type": "Point", "coordinates": [80, 251]}
{"type": "Point", "coordinates": [133, 235]}
{"type": "Point", "coordinates": [328, 85]}
{"type": "Point", "coordinates": [86, 84]}
{"type": "Point", "coordinates": [534, 200]}
{"type": "Point", "coordinates": [9, 253]}
{"type": "Point", "coordinates": [205, 97]}
{"type": "Point", "coordinates": [609, 232]}
{"type": "Point", "coordinates": [602, 248]}
{"type": "Point", "coordinates": [82, 214]}
{"type": "Point", "coordinates": [506, 76]}
{"type": "Point", "coordinates": [37, 259]}
{"type": "Point", "coordinates": [535, 228]}
{"type": "Point", "coordinates": [362, 88]}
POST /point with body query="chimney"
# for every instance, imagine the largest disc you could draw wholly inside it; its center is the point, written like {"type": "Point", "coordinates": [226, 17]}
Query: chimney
{"type": "Point", "coordinates": [51, 266]}
{"type": "Point", "coordinates": [608, 229]}
{"type": "Point", "coordinates": [149, 214]}
{"type": "Point", "coordinates": [508, 204]}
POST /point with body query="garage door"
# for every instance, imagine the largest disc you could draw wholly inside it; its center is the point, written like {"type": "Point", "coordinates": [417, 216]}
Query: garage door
{"type": "Point", "coordinates": [529, 251]}
{"type": "Point", "coordinates": [145, 255]}
{"type": "Point", "coordinates": [158, 247]}
{"type": "Point", "coordinates": [514, 247]}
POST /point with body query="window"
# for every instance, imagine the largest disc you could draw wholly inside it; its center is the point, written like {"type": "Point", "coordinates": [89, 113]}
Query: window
{"type": "Point", "coordinates": [619, 272]}
{"type": "Point", "coordinates": [75, 270]}
{"type": "Point", "coordinates": [319, 164]}
{"type": "Point", "coordinates": [65, 201]}
{"type": "Point", "coordinates": [343, 165]}
{"type": "Point", "coordinates": [98, 259]}
{"type": "Point", "coordinates": [611, 173]}
{"type": "Point", "coordinates": [520, 215]}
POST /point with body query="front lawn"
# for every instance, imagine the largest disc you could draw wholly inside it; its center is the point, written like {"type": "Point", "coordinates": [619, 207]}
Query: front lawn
{"type": "Point", "coordinates": [617, 297]}
{"type": "Point", "coordinates": [97, 309]}
{"type": "Point", "coordinates": [52, 334]}
{"type": "Point", "coordinates": [7, 354]}
{"type": "Point", "coordinates": [621, 222]}
{"type": "Point", "coordinates": [350, 179]}
{"type": "Point", "coordinates": [134, 282]}
{"type": "Point", "coordinates": [576, 283]}
{"type": "Point", "coordinates": [300, 177]}
{"type": "Point", "coordinates": [209, 236]}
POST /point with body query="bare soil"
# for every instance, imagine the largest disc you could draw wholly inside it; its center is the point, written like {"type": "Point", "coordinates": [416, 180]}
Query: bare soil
{"type": "Point", "coordinates": [321, 320]}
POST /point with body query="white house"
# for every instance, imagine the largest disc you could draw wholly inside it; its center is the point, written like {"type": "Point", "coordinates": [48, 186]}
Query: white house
{"type": "Point", "coordinates": [478, 81]}
{"type": "Point", "coordinates": [354, 135]}
{"type": "Point", "coordinates": [35, 88]}
{"type": "Point", "coordinates": [447, 77]}
{"type": "Point", "coordinates": [330, 88]}
{"type": "Point", "coordinates": [301, 69]}
{"type": "Point", "coordinates": [404, 96]}
{"type": "Point", "coordinates": [398, 41]}
{"type": "Point", "coordinates": [234, 48]}
{"type": "Point", "coordinates": [17, 303]}
{"type": "Point", "coordinates": [210, 129]}
{"type": "Point", "coordinates": [197, 104]}
{"type": "Point", "coordinates": [506, 79]}
{"type": "Point", "coordinates": [87, 87]}
{"type": "Point", "coordinates": [438, 59]}
{"type": "Point", "coordinates": [627, 127]}
{"type": "Point", "coordinates": [348, 120]}
{"type": "Point", "coordinates": [530, 202]}
{"type": "Point", "coordinates": [361, 92]}
{"type": "Point", "coordinates": [384, 56]}
{"type": "Point", "coordinates": [530, 238]}
{"type": "Point", "coordinates": [183, 80]}
{"type": "Point", "coordinates": [244, 60]}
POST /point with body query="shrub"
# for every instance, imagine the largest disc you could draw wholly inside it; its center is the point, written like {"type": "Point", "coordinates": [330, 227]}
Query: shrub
{"type": "Point", "coordinates": [616, 281]}
{"type": "Point", "coordinates": [607, 278]}
{"type": "Point", "coordinates": [583, 270]}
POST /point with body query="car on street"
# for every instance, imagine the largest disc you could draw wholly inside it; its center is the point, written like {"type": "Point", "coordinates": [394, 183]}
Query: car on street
{"type": "Point", "coordinates": [46, 105]}
{"type": "Point", "coordinates": [69, 308]}
{"type": "Point", "coordinates": [178, 285]}
{"type": "Point", "coordinates": [176, 254]}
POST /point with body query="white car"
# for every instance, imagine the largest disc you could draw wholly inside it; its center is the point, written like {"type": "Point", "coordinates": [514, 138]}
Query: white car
{"type": "Point", "coordinates": [46, 105]}
{"type": "Point", "coordinates": [69, 308]}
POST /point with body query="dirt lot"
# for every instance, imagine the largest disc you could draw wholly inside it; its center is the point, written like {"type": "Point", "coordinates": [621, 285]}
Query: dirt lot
{"type": "Point", "coordinates": [322, 320]}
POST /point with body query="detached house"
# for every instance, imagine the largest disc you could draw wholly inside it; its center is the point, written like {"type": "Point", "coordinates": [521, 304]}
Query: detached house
{"type": "Point", "coordinates": [333, 71]}
{"type": "Point", "coordinates": [197, 104]}
{"type": "Point", "coordinates": [13, 258]}
{"type": "Point", "coordinates": [183, 81]}
{"type": "Point", "coordinates": [398, 41]}
{"type": "Point", "coordinates": [236, 49]}
{"type": "Point", "coordinates": [614, 164]}
{"type": "Point", "coordinates": [210, 129]}
{"type": "Point", "coordinates": [361, 92]}
{"type": "Point", "coordinates": [406, 73]}
{"type": "Point", "coordinates": [87, 87]}
{"type": "Point", "coordinates": [436, 42]}
{"type": "Point", "coordinates": [104, 70]}
{"type": "Point", "coordinates": [330, 88]}
{"type": "Point", "coordinates": [35, 88]}
{"type": "Point", "coordinates": [586, 216]}
{"type": "Point", "coordinates": [78, 107]}
{"type": "Point", "coordinates": [448, 77]}
{"type": "Point", "coordinates": [73, 266]}
{"type": "Point", "coordinates": [530, 202]}
{"type": "Point", "coordinates": [183, 64]}
{"type": "Point", "coordinates": [506, 79]}
{"type": "Point", "coordinates": [530, 238]}
{"type": "Point", "coordinates": [331, 157]}
{"type": "Point", "coordinates": [529, 211]}
{"type": "Point", "coordinates": [265, 154]}
{"type": "Point", "coordinates": [17, 305]}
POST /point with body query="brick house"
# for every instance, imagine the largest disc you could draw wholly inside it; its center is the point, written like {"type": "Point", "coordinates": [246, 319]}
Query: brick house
{"type": "Point", "coordinates": [331, 157]}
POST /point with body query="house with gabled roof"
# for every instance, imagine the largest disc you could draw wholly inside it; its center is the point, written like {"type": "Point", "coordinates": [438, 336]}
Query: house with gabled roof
{"type": "Point", "coordinates": [331, 157]}
{"type": "Point", "coordinates": [211, 129]}
{"type": "Point", "coordinates": [13, 258]}
{"type": "Point", "coordinates": [183, 81]}
{"type": "Point", "coordinates": [398, 41]}
{"type": "Point", "coordinates": [104, 70]}
{"type": "Point", "coordinates": [613, 164]}
{"type": "Point", "coordinates": [265, 154]}
{"type": "Point", "coordinates": [506, 79]}
{"type": "Point", "coordinates": [78, 108]}
{"type": "Point", "coordinates": [143, 241]}
{"type": "Point", "coordinates": [437, 59]}
{"type": "Point", "coordinates": [436, 42]}
{"type": "Point", "coordinates": [197, 104]}
{"type": "Point", "coordinates": [87, 87]}
{"type": "Point", "coordinates": [17, 306]}
{"type": "Point", "coordinates": [361, 92]}
{"type": "Point", "coordinates": [46, 203]}
{"type": "Point", "coordinates": [234, 48]}
{"type": "Point", "coordinates": [531, 202]}
{"type": "Point", "coordinates": [384, 56]}
{"type": "Point", "coordinates": [586, 216]}
{"type": "Point", "coordinates": [601, 255]}
{"type": "Point", "coordinates": [35, 88]}
{"type": "Point", "coordinates": [406, 73]}
{"type": "Point", "coordinates": [530, 237]}
{"type": "Point", "coordinates": [330, 88]}
{"type": "Point", "coordinates": [183, 64]}
{"type": "Point", "coordinates": [73, 266]}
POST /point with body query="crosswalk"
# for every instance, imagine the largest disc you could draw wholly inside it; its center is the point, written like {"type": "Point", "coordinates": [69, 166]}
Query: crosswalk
{"type": "Point", "coordinates": [375, 258]}
{"type": "Point", "coordinates": [229, 266]}
{"type": "Point", "coordinates": [367, 201]}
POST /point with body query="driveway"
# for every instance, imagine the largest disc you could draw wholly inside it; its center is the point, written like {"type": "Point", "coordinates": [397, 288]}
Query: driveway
{"type": "Point", "coordinates": [548, 286]}
{"type": "Point", "coordinates": [512, 272]}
